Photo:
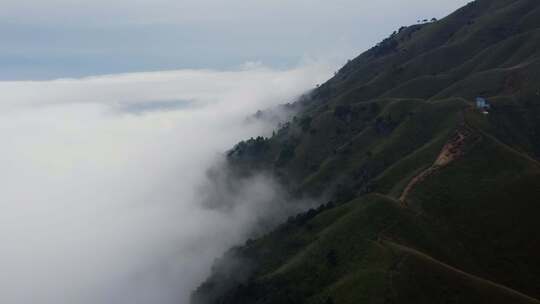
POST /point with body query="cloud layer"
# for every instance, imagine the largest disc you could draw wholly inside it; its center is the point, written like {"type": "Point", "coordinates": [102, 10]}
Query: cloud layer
{"type": "Point", "coordinates": [101, 180]}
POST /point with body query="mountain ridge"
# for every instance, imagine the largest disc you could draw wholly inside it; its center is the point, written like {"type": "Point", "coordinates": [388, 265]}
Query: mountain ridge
{"type": "Point", "coordinates": [360, 139]}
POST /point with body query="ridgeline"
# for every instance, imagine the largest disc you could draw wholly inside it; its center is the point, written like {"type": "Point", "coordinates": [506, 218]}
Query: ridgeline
{"type": "Point", "coordinates": [431, 198]}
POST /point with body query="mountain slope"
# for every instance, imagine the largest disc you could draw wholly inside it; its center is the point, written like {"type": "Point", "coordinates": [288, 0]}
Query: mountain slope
{"type": "Point", "coordinates": [431, 200]}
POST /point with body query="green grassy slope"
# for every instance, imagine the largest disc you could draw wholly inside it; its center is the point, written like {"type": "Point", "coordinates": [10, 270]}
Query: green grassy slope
{"type": "Point", "coordinates": [466, 232]}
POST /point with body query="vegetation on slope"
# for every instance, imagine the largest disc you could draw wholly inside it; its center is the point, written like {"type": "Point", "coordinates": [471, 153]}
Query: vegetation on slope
{"type": "Point", "coordinates": [467, 231]}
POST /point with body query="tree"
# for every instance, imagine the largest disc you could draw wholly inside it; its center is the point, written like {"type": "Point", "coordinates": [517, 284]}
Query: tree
{"type": "Point", "coordinates": [331, 258]}
{"type": "Point", "coordinates": [305, 123]}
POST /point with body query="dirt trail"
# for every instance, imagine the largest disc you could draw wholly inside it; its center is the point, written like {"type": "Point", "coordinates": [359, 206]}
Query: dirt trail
{"type": "Point", "coordinates": [452, 150]}
{"type": "Point", "coordinates": [518, 296]}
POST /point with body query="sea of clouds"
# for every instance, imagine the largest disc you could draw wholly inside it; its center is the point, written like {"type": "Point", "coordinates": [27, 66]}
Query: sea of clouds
{"type": "Point", "coordinates": [100, 198]}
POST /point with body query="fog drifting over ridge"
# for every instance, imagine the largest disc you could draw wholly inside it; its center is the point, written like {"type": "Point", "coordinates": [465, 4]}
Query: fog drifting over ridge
{"type": "Point", "coordinates": [101, 175]}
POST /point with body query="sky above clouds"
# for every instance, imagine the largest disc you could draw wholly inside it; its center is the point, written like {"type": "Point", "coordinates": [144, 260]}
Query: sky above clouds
{"type": "Point", "coordinates": [72, 38]}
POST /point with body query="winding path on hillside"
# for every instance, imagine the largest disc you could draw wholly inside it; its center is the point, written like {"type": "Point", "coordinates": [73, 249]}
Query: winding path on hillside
{"type": "Point", "coordinates": [451, 151]}
{"type": "Point", "coordinates": [514, 294]}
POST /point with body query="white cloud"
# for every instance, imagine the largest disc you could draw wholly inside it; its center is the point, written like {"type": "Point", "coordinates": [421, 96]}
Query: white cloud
{"type": "Point", "coordinates": [99, 201]}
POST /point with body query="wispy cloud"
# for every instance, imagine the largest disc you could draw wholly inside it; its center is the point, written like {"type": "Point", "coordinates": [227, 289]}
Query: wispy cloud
{"type": "Point", "coordinates": [103, 206]}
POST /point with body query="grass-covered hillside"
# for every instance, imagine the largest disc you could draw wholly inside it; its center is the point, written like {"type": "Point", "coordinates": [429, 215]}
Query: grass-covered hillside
{"type": "Point", "coordinates": [430, 200]}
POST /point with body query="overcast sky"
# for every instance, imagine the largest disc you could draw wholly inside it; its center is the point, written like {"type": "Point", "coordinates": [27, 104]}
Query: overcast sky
{"type": "Point", "coordinates": [71, 38]}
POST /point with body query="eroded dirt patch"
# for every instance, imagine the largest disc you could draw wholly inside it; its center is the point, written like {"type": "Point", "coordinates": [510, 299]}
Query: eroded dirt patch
{"type": "Point", "coordinates": [451, 151]}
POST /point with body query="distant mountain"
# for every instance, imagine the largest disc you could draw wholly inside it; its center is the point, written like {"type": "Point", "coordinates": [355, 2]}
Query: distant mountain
{"type": "Point", "coordinates": [432, 198]}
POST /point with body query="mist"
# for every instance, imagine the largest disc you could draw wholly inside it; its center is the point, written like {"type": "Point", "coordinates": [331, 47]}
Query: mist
{"type": "Point", "coordinates": [105, 182]}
